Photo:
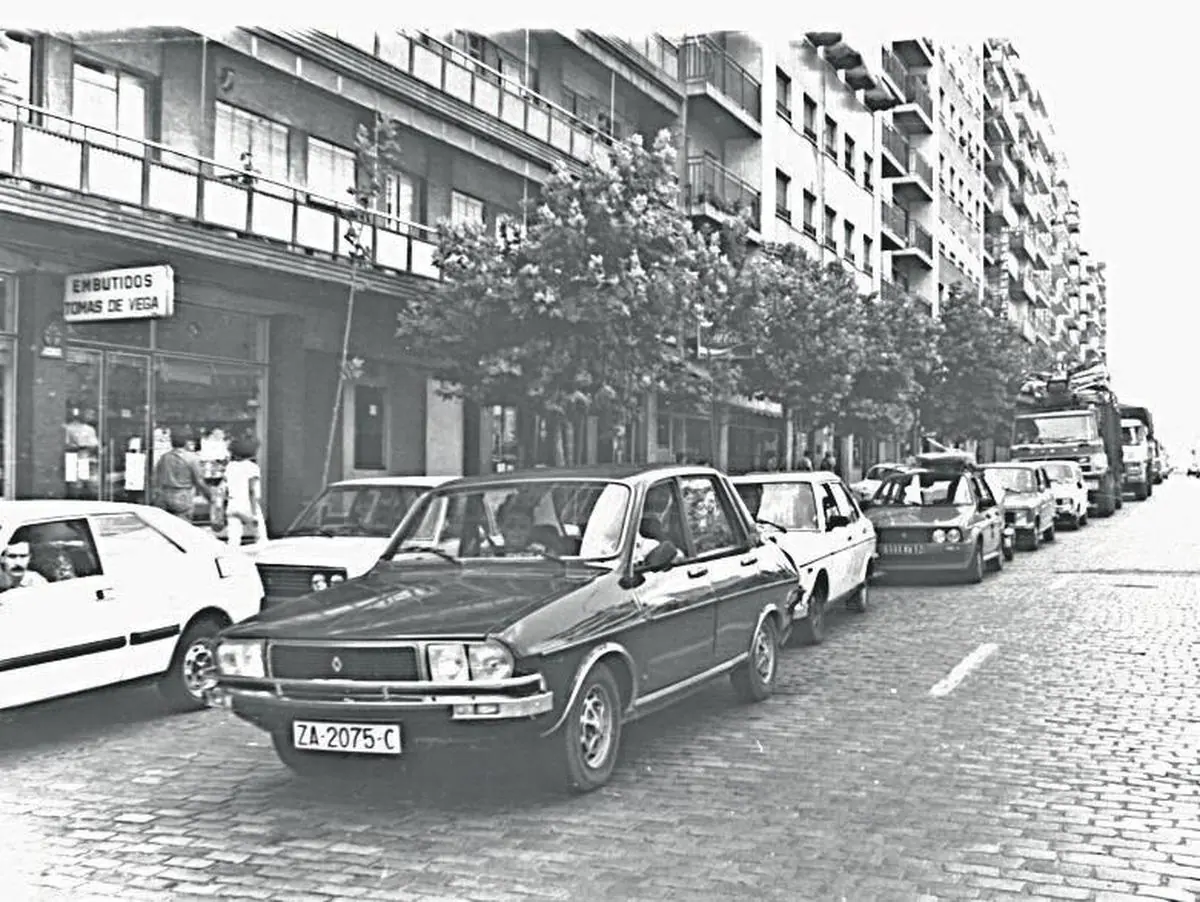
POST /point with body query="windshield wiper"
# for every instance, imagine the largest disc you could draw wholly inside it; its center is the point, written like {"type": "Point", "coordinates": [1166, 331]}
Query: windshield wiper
{"type": "Point", "coordinates": [312, 531]}
{"type": "Point", "coordinates": [770, 523]}
{"type": "Point", "coordinates": [428, 549]}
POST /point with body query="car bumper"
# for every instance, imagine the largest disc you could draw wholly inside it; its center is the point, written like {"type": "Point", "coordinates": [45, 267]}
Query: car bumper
{"type": "Point", "coordinates": [929, 558]}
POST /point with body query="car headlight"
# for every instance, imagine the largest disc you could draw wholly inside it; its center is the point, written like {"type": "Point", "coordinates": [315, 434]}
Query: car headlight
{"type": "Point", "coordinates": [954, 535]}
{"type": "Point", "coordinates": [939, 536]}
{"type": "Point", "coordinates": [489, 661]}
{"type": "Point", "coordinates": [336, 578]}
{"type": "Point", "coordinates": [448, 663]}
{"type": "Point", "coordinates": [241, 658]}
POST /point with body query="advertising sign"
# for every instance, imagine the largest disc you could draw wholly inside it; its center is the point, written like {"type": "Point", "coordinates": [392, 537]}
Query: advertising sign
{"type": "Point", "coordinates": [140, 292]}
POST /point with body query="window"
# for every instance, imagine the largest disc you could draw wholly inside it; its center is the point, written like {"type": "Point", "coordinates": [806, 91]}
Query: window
{"type": "Point", "coordinates": [791, 505]}
{"type": "Point", "coordinates": [831, 137]}
{"type": "Point", "coordinates": [465, 209]}
{"type": "Point", "coordinates": [846, 505]}
{"type": "Point", "coordinates": [848, 156]}
{"type": "Point", "coordinates": [55, 551]}
{"type": "Point", "coordinates": [783, 95]}
{"type": "Point", "coordinates": [246, 141]}
{"type": "Point", "coordinates": [661, 520]}
{"type": "Point", "coordinates": [128, 535]}
{"type": "Point", "coordinates": [810, 119]}
{"type": "Point", "coordinates": [111, 100]}
{"type": "Point", "coordinates": [829, 505]}
{"type": "Point", "coordinates": [783, 185]}
{"type": "Point", "coordinates": [708, 515]}
{"type": "Point", "coordinates": [810, 215]}
{"type": "Point", "coordinates": [868, 166]}
{"type": "Point", "coordinates": [830, 222]}
{"type": "Point", "coordinates": [848, 240]}
{"type": "Point", "coordinates": [404, 197]}
{"type": "Point", "coordinates": [16, 70]}
{"type": "Point", "coordinates": [868, 247]}
{"type": "Point", "coordinates": [331, 171]}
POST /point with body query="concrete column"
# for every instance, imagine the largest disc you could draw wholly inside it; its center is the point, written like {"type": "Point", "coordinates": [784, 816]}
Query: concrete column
{"type": "Point", "coordinates": [290, 474]}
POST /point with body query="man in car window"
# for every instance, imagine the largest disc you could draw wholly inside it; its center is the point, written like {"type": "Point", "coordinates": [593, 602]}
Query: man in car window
{"type": "Point", "coordinates": [516, 524]}
{"type": "Point", "coordinates": [14, 567]}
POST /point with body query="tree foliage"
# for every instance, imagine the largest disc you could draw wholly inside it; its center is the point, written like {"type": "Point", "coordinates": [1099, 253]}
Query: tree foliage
{"type": "Point", "coordinates": [798, 326]}
{"type": "Point", "coordinates": [571, 319]}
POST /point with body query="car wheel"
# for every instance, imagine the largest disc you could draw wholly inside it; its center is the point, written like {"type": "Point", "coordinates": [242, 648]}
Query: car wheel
{"type": "Point", "coordinates": [1082, 519]}
{"type": "Point", "coordinates": [193, 668]}
{"type": "Point", "coordinates": [754, 681]}
{"type": "Point", "coordinates": [1051, 532]}
{"type": "Point", "coordinates": [811, 630]}
{"type": "Point", "coordinates": [996, 564]}
{"type": "Point", "coordinates": [975, 568]}
{"type": "Point", "coordinates": [591, 736]}
{"type": "Point", "coordinates": [1007, 551]}
{"type": "Point", "coordinates": [859, 601]}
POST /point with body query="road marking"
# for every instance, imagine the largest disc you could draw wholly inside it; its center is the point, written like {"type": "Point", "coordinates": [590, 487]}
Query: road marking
{"type": "Point", "coordinates": [1061, 582]}
{"type": "Point", "coordinates": [964, 667]}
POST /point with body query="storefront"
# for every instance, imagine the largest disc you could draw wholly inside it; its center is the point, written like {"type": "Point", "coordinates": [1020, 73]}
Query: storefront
{"type": "Point", "coordinates": [754, 439]}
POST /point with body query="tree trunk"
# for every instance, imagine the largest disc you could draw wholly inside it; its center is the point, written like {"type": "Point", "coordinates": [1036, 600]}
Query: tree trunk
{"type": "Point", "coordinates": [556, 432]}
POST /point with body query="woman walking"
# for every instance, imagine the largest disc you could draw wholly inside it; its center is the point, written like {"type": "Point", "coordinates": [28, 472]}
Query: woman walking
{"type": "Point", "coordinates": [243, 485]}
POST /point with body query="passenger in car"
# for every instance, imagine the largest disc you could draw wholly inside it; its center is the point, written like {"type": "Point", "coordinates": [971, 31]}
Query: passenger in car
{"type": "Point", "coordinates": [14, 567]}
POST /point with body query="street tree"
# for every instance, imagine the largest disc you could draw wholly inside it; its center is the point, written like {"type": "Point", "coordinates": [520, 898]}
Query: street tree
{"type": "Point", "coordinates": [587, 311]}
{"type": "Point", "coordinates": [798, 324]}
{"type": "Point", "coordinates": [899, 356]}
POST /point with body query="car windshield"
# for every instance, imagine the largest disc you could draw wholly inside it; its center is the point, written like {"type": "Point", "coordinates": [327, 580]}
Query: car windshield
{"type": "Point", "coordinates": [925, 489]}
{"type": "Point", "coordinates": [356, 510]}
{"type": "Point", "coordinates": [562, 518]}
{"type": "Point", "coordinates": [1034, 429]}
{"type": "Point", "coordinates": [1131, 435]}
{"type": "Point", "coordinates": [1060, 472]}
{"type": "Point", "coordinates": [791, 505]}
{"type": "Point", "coordinates": [1010, 479]}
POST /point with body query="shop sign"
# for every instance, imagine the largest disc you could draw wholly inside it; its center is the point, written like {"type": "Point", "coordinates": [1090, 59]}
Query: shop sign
{"type": "Point", "coordinates": [139, 292]}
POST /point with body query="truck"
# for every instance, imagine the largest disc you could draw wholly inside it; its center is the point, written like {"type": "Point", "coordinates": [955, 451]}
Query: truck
{"type": "Point", "coordinates": [1074, 416]}
{"type": "Point", "coordinates": [1138, 448]}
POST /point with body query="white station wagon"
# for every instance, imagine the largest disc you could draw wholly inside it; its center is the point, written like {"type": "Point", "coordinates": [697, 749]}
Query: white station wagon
{"type": "Point", "coordinates": [814, 518]}
{"type": "Point", "coordinates": [339, 536]}
{"type": "Point", "coordinates": [96, 593]}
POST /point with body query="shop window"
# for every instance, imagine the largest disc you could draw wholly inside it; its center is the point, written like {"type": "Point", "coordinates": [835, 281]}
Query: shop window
{"type": "Point", "coordinates": [331, 171]}
{"type": "Point", "coordinates": [113, 100]}
{"type": "Point", "coordinates": [16, 73]}
{"type": "Point", "coordinates": [465, 209]}
{"type": "Point", "coordinates": [245, 141]}
{"type": "Point", "coordinates": [505, 439]}
{"type": "Point", "coordinates": [211, 332]}
{"type": "Point", "coordinates": [128, 333]}
{"type": "Point", "coordinates": [370, 430]}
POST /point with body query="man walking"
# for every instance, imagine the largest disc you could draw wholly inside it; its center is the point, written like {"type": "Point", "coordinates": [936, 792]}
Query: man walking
{"type": "Point", "coordinates": [177, 478]}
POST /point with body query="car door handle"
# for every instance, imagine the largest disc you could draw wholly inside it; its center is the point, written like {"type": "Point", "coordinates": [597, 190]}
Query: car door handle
{"type": "Point", "coordinates": [103, 594]}
{"type": "Point", "coordinates": [748, 561]}
{"type": "Point", "coordinates": [697, 572]}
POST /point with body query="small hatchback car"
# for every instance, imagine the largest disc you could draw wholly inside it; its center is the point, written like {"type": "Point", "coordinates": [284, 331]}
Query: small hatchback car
{"type": "Point", "coordinates": [546, 607]}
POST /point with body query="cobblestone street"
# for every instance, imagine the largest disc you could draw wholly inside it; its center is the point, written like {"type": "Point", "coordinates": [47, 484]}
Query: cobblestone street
{"type": "Point", "coordinates": [1067, 766]}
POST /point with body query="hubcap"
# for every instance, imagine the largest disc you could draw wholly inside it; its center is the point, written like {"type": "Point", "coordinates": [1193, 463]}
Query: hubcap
{"type": "Point", "coordinates": [199, 668]}
{"type": "Point", "coordinates": [595, 727]}
{"type": "Point", "coordinates": [764, 655]}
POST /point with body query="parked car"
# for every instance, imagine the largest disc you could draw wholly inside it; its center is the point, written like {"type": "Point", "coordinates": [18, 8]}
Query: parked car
{"type": "Point", "coordinates": [1029, 504]}
{"type": "Point", "coordinates": [865, 488]}
{"type": "Point", "coordinates": [546, 606]}
{"type": "Point", "coordinates": [101, 592]}
{"type": "Point", "coordinates": [938, 517]}
{"type": "Point", "coordinates": [814, 518]}
{"type": "Point", "coordinates": [339, 535]}
{"type": "Point", "coordinates": [1070, 492]}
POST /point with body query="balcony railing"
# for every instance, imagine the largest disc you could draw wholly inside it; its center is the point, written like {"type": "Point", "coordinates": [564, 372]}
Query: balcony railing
{"type": "Point", "coordinates": [660, 52]}
{"type": "Point", "coordinates": [917, 91]}
{"type": "Point", "coordinates": [708, 182]}
{"type": "Point", "coordinates": [705, 60]}
{"type": "Point", "coordinates": [894, 69]}
{"type": "Point", "coordinates": [920, 238]}
{"type": "Point", "coordinates": [920, 167]}
{"type": "Point", "coordinates": [56, 151]}
{"type": "Point", "coordinates": [896, 144]}
{"type": "Point", "coordinates": [460, 75]}
{"type": "Point", "coordinates": [894, 219]}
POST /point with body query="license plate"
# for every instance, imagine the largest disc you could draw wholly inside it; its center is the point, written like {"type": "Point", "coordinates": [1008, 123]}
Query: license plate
{"type": "Point", "coordinates": [902, 549]}
{"type": "Point", "coordinates": [353, 738]}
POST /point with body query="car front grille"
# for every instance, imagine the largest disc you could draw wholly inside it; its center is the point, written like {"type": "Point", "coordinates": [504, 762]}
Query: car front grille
{"type": "Point", "coordinates": [306, 662]}
{"type": "Point", "coordinates": [896, 536]}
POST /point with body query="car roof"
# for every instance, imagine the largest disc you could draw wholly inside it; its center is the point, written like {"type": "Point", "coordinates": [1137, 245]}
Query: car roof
{"type": "Point", "coordinates": [807, 476]}
{"type": "Point", "coordinates": [1016, 464]}
{"type": "Point", "coordinates": [425, 482]}
{"type": "Point", "coordinates": [632, 473]}
{"type": "Point", "coordinates": [41, 508]}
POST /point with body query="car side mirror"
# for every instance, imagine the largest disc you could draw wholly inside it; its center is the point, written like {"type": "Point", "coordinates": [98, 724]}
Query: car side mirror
{"type": "Point", "coordinates": [864, 503]}
{"type": "Point", "coordinates": [836, 521]}
{"type": "Point", "coordinates": [986, 503]}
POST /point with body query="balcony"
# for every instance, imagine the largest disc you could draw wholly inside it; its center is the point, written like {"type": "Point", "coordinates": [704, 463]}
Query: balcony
{"type": "Point", "coordinates": [267, 219]}
{"type": "Point", "coordinates": [1017, 196]}
{"type": "Point", "coordinates": [894, 159]}
{"type": "Point", "coordinates": [714, 193]}
{"type": "Point", "coordinates": [842, 56]}
{"type": "Point", "coordinates": [732, 95]}
{"type": "Point", "coordinates": [915, 185]}
{"type": "Point", "coordinates": [893, 227]}
{"type": "Point", "coordinates": [1071, 219]}
{"type": "Point", "coordinates": [1002, 215]}
{"type": "Point", "coordinates": [1002, 164]}
{"type": "Point", "coordinates": [890, 291]}
{"type": "Point", "coordinates": [917, 53]}
{"type": "Point", "coordinates": [649, 63]}
{"type": "Point", "coordinates": [1021, 244]}
{"type": "Point", "coordinates": [916, 249]}
{"type": "Point", "coordinates": [915, 115]}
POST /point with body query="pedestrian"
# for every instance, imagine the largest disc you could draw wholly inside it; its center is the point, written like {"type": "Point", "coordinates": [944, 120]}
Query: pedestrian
{"type": "Point", "coordinates": [805, 463]}
{"type": "Point", "coordinates": [177, 478]}
{"type": "Point", "coordinates": [828, 462]}
{"type": "Point", "coordinates": [243, 487]}
{"type": "Point", "coordinates": [772, 462]}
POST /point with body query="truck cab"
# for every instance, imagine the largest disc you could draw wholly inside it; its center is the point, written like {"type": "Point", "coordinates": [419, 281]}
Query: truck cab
{"type": "Point", "coordinates": [1135, 447]}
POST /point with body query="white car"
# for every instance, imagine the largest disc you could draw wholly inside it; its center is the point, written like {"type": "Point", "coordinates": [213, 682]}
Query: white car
{"type": "Point", "coordinates": [865, 488]}
{"type": "Point", "coordinates": [1070, 491]}
{"type": "Point", "coordinates": [814, 518]}
{"type": "Point", "coordinates": [339, 536]}
{"type": "Point", "coordinates": [97, 593]}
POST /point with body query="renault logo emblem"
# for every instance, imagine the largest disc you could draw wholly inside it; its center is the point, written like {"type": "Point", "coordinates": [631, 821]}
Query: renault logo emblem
{"type": "Point", "coordinates": [336, 664]}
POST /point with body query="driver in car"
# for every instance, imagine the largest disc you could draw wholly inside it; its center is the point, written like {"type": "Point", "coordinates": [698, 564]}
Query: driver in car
{"type": "Point", "coordinates": [14, 567]}
{"type": "Point", "coordinates": [517, 527]}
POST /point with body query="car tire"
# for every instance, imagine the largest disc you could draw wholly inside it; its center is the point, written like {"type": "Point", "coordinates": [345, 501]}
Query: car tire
{"type": "Point", "coordinates": [860, 599]}
{"type": "Point", "coordinates": [591, 736]}
{"type": "Point", "coordinates": [1051, 532]}
{"type": "Point", "coordinates": [754, 680]}
{"type": "Point", "coordinates": [1008, 552]}
{"type": "Point", "coordinates": [811, 630]}
{"type": "Point", "coordinates": [974, 572]}
{"type": "Point", "coordinates": [184, 685]}
{"type": "Point", "coordinates": [996, 564]}
{"type": "Point", "coordinates": [1082, 520]}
